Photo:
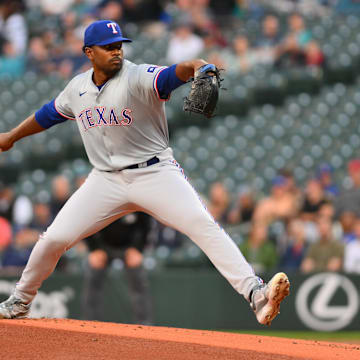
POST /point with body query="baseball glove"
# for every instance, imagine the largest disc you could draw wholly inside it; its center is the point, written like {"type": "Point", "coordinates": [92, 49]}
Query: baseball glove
{"type": "Point", "coordinates": [204, 92]}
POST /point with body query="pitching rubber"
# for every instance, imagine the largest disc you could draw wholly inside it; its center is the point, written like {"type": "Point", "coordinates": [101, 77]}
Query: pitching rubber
{"type": "Point", "coordinates": [277, 289]}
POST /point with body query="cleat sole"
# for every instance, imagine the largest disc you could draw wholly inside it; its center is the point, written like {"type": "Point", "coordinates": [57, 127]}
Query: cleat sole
{"type": "Point", "coordinates": [278, 289]}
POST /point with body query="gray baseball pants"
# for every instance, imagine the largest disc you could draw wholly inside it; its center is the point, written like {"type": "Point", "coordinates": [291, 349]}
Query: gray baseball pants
{"type": "Point", "coordinates": [160, 190]}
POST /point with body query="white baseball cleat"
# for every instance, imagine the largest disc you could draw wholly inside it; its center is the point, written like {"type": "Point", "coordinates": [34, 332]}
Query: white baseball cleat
{"type": "Point", "coordinates": [14, 308]}
{"type": "Point", "coordinates": [266, 298]}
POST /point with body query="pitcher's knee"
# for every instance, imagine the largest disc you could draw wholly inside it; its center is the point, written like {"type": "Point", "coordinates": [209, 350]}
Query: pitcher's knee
{"type": "Point", "coordinates": [56, 242]}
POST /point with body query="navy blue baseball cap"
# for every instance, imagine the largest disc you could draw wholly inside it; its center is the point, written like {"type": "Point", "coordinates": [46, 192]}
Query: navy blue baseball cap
{"type": "Point", "coordinates": [103, 32]}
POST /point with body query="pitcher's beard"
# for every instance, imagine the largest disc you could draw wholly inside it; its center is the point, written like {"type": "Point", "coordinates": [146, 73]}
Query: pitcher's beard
{"type": "Point", "coordinates": [111, 72]}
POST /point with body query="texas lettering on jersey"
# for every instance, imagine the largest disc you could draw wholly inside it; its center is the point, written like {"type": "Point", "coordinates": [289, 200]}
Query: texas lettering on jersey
{"type": "Point", "coordinates": [100, 116]}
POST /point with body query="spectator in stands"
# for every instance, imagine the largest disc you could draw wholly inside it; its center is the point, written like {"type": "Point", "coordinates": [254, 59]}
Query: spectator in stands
{"type": "Point", "coordinates": [352, 252]}
{"type": "Point", "coordinates": [16, 255]}
{"type": "Point", "coordinates": [141, 11]}
{"type": "Point", "coordinates": [289, 54]}
{"type": "Point", "coordinates": [270, 38]}
{"type": "Point", "coordinates": [290, 183]}
{"type": "Point", "coordinates": [50, 7]}
{"type": "Point", "coordinates": [245, 9]}
{"type": "Point", "coordinates": [270, 35]}
{"type": "Point", "coordinates": [347, 220]}
{"type": "Point", "coordinates": [349, 200]}
{"type": "Point", "coordinates": [184, 44]}
{"type": "Point", "coordinates": [111, 10]}
{"type": "Point", "coordinates": [215, 57]}
{"type": "Point", "coordinates": [5, 236]}
{"type": "Point", "coordinates": [18, 252]}
{"type": "Point", "coordinates": [42, 217]}
{"type": "Point", "coordinates": [219, 202]}
{"type": "Point", "coordinates": [61, 192]}
{"type": "Point", "coordinates": [74, 49]}
{"type": "Point", "coordinates": [16, 209]}
{"type": "Point", "coordinates": [295, 245]}
{"type": "Point", "coordinates": [124, 239]}
{"type": "Point", "coordinates": [38, 56]}
{"type": "Point", "coordinates": [314, 197]}
{"type": "Point", "coordinates": [292, 50]}
{"type": "Point", "coordinates": [11, 64]}
{"type": "Point", "coordinates": [74, 60]}
{"type": "Point", "coordinates": [325, 177]}
{"type": "Point", "coordinates": [205, 24]}
{"type": "Point", "coordinates": [82, 7]}
{"type": "Point", "coordinates": [179, 10]}
{"type": "Point", "coordinates": [327, 210]}
{"type": "Point", "coordinates": [244, 207]}
{"type": "Point", "coordinates": [280, 205]}
{"type": "Point", "coordinates": [314, 55]}
{"type": "Point", "coordinates": [258, 250]}
{"type": "Point", "coordinates": [13, 28]}
{"type": "Point", "coordinates": [245, 57]}
{"type": "Point", "coordinates": [7, 200]}
{"type": "Point", "coordinates": [13, 38]}
{"type": "Point", "coordinates": [297, 29]}
{"type": "Point", "coordinates": [326, 254]}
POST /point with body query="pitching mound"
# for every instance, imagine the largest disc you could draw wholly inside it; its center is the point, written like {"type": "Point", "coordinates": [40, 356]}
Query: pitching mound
{"type": "Point", "coordinates": [74, 339]}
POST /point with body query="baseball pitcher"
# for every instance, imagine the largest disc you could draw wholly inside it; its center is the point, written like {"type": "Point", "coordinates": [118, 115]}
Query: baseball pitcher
{"type": "Point", "coordinates": [119, 108]}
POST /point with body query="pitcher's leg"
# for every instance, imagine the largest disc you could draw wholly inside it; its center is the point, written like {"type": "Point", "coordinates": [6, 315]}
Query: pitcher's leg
{"type": "Point", "coordinates": [90, 209]}
{"type": "Point", "coordinates": [168, 196]}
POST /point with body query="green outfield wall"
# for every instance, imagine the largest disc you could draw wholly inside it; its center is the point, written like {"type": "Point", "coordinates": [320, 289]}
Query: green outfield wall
{"type": "Point", "coordinates": [204, 300]}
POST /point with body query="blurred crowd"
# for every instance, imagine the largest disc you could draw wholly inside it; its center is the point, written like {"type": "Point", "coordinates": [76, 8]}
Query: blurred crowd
{"type": "Point", "coordinates": [22, 220]}
{"type": "Point", "coordinates": [304, 229]}
{"type": "Point", "coordinates": [46, 36]}
{"type": "Point", "coordinates": [315, 228]}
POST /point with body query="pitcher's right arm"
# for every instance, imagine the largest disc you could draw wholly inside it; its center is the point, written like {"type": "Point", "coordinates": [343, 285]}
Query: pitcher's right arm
{"type": "Point", "coordinates": [47, 116]}
{"type": "Point", "coordinates": [28, 127]}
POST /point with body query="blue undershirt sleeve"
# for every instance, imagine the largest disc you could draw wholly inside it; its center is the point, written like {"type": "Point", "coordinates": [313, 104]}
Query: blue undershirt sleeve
{"type": "Point", "coordinates": [47, 116]}
{"type": "Point", "coordinates": [167, 81]}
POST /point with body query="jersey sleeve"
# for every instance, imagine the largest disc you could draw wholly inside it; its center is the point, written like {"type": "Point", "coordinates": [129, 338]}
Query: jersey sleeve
{"type": "Point", "coordinates": [62, 102]}
{"type": "Point", "coordinates": [47, 116]}
{"type": "Point", "coordinates": [152, 82]}
{"type": "Point", "coordinates": [166, 82]}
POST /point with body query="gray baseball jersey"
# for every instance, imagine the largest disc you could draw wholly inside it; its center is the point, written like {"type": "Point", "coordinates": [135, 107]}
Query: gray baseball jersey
{"type": "Point", "coordinates": [122, 124]}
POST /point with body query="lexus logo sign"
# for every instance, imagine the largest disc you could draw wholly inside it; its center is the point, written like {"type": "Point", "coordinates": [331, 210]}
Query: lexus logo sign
{"type": "Point", "coordinates": [314, 297]}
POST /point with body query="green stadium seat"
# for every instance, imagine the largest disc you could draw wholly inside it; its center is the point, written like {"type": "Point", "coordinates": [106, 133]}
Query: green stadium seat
{"type": "Point", "coordinates": [297, 142]}
{"type": "Point", "coordinates": [268, 142]}
{"type": "Point", "coordinates": [287, 152]}
{"type": "Point", "coordinates": [211, 174]}
{"type": "Point", "coordinates": [239, 173]}
{"type": "Point", "coordinates": [230, 153]}
{"type": "Point", "coordinates": [258, 152]}
{"type": "Point", "coordinates": [269, 173]}
{"type": "Point", "coordinates": [190, 163]}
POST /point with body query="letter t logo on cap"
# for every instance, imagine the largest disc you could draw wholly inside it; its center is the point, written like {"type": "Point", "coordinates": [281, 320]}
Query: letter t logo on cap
{"type": "Point", "coordinates": [113, 26]}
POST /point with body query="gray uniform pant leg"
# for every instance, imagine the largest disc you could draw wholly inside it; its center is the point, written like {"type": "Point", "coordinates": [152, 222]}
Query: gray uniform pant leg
{"type": "Point", "coordinates": [97, 203]}
{"type": "Point", "coordinates": [168, 196]}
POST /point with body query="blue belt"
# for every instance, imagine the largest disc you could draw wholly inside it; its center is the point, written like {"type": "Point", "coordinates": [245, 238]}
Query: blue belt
{"type": "Point", "coordinates": [152, 161]}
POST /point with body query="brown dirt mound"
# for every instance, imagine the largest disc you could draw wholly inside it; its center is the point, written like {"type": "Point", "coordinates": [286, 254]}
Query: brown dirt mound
{"type": "Point", "coordinates": [75, 339]}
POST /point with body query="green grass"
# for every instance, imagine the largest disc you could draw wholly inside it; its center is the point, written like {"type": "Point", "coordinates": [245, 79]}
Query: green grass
{"type": "Point", "coordinates": [342, 336]}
